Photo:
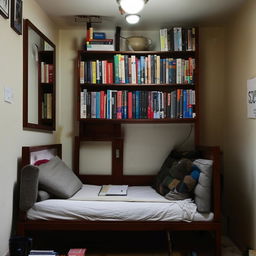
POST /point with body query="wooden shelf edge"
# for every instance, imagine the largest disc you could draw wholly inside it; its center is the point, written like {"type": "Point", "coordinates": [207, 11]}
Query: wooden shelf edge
{"type": "Point", "coordinates": [164, 120]}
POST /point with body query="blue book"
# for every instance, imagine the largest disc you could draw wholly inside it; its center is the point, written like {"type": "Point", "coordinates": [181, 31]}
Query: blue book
{"type": "Point", "coordinates": [99, 35]}
{"type": "Point", "coordinates": [116, 69]}
{"type": "Point", "coordinates": [185, 104]}
{"type": "Point", "coordinates": [139, 72]}
{"type": "Point", "coordinates": [137, 105]}
{"type": "Point", "coordinates": [142, 69]}
{"type": "Point", "coordinates": [97, 104]}
{"type": "Point", "coordinates": [109, 104]}
{"type": "Point", "coordinates": [172, 71]}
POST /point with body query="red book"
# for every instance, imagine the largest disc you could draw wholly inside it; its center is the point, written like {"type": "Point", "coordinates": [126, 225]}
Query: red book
{"type": "Point", "coordinates": [50, 75]}
{"type": "Point", "coordinates": [77, 252]}
{"type": "Point", "coordinates": [110, 72]}
{"type": "Point", "coordinates": [119, 105]}
{"type": "Point", "coordinates": [129, 105]}
{"type": "Point", "coordinates": [101, 104]}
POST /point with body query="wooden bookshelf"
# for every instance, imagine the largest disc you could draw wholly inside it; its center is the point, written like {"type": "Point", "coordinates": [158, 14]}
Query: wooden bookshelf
{"type": "Point", "coordinates": [104, 127]}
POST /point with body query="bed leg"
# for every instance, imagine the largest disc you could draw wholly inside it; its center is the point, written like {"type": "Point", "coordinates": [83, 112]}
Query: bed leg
{"type": "Point", "coordinates": [169, 243]}
{"type": "Point", "coordinates": [20, 229]}
{"type": "Point", "coordinates": [218, 242]}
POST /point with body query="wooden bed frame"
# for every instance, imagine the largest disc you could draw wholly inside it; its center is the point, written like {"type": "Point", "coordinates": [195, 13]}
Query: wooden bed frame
{"type": "Point", "coordinates": [25, 226]}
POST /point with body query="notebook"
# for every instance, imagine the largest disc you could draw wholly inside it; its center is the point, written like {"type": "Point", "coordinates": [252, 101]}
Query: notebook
{"type": "Point", "coordinates": [113, 190]}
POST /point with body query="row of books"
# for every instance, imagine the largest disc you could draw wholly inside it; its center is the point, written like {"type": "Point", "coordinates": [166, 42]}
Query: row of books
{"type": "Point", "coordinates": [178, 39]}
{"type": "Point", "coordinates": [97, 41]}
{"type": "Point", "coordinates": [47, 106]}
{"type": "Point", "coordinates": [71, 252]}
{"type": "Point", "coordinates": [46, 72]}
{"type": "Point", "coordinates": [115, 104]}
{"type": "Point", "coordinates": [151, 69]}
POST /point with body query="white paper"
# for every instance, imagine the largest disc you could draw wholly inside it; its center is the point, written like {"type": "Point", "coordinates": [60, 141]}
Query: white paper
{"type": "Point", "coordinates": [251, 98]}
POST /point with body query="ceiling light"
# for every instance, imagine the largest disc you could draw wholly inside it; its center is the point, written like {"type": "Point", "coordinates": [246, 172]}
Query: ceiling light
{"type": "Point", "coordinates": [132, 18]}
{"type": "Point", "coordinates": [132, 6]}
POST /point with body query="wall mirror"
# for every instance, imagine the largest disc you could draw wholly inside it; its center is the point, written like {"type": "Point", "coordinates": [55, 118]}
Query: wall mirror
{"type": "Point", "coordinates": [38, 79]}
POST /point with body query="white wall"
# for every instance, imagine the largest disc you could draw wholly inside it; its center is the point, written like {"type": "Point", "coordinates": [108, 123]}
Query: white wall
{"type": "Point", "coordinates": [240, 136]}
{"type": "Point", "coordinates": [12, 136]}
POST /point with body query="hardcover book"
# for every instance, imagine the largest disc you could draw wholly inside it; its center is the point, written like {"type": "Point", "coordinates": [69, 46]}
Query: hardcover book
{"type": "Point", "coordinates": [77, 252]}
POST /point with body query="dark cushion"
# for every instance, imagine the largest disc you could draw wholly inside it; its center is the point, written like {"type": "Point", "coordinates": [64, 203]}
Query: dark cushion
{"type": "Point", "coordinates": [172, 158]}
{"type": "Point", "coordinates": [183, 187]}
{"type": "Point", "coordinates": [28, 186]}
{"type": "Point", "coordinates": [58, 179]}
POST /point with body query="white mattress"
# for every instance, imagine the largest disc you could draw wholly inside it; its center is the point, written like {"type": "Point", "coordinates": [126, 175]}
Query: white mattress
{"type": "Point", "coordinates": [142, 203]}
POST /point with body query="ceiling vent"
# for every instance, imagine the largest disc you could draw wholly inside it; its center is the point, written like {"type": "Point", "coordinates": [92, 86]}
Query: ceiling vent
{"type": "Point", "coordinates": [82, 19]}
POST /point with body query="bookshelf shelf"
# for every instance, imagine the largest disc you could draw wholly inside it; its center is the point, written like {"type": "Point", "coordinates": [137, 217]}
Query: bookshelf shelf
{"type": "Point", "coordinates": [119, 121]}
{"type": "Point", "coordinates": [139, 86]}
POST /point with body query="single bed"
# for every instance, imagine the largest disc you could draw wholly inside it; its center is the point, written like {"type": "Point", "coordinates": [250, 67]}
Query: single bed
{"type": "Point", "coordinates": [143, 209]}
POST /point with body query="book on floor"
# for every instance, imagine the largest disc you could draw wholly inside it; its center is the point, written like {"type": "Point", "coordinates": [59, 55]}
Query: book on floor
{"type": "Point", "coordinates": [77, 252]}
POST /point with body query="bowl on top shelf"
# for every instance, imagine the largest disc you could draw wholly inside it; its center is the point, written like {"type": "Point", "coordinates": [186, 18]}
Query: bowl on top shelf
{"type": "Point", "coordinates": [138, 43]}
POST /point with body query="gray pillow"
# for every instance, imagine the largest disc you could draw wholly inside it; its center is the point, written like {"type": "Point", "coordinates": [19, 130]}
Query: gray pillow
{"type": "Point", "coordinates": [58, 179]}
{"type": "Point", "coordinates": [28, 186]}
{"type": "Point", "coordinates": [203, 188]}
{"type": "Point", "coordinates": [43, 195]}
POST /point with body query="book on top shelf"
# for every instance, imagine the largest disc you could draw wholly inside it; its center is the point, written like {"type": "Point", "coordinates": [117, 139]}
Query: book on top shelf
{"type": "Point", "coordinates": [177, 39]}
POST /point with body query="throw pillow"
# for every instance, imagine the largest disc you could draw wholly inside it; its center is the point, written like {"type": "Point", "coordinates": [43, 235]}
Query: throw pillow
{"type": "Point", "coordinates": [41, 161]}
{"type": "Point", "coordinates": [58, 179]}
{"type": "Point", "coordinates": [28, 186]}
{"type": "Point", "coordinates": [173, 157]}
{"type": "Point", "coordinates": [183, 188]}
{"type": "Point", "coordinates": [43, 195]}
{"type": "Point", "coordinates": [203, 188]}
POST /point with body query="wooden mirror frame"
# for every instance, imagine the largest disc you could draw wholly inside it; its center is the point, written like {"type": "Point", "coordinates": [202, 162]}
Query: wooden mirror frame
{"type": "Point", "coordinates": [42, 124]}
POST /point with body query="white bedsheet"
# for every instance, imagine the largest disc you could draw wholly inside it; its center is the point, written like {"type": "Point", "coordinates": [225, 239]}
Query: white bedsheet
{"type": "Point", "coordinates": [141, 204]}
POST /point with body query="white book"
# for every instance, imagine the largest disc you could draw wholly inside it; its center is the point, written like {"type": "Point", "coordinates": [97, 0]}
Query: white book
{"type": "Point", "coordinates": [100, 47]}
{"type": "Point", "coordinates": [113, 190]}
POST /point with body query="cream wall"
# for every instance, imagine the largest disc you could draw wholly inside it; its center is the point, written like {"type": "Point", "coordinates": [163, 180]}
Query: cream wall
{"type": "Point", "coordinates": [212, 84]}
{"type": "Point", "coordinates": [240, 136]}
{"type": "Point", "coordinates": [12, 136]}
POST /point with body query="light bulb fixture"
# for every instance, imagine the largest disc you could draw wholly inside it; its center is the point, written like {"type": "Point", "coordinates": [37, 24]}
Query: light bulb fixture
{"type": "Point", "coordinates": [132, 6]}
{"type": "Point", "coordinates": [132, 18]}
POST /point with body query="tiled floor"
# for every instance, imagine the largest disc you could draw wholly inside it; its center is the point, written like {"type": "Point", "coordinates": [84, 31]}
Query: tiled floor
{"type": "Point", "coordinates": [228, 249]}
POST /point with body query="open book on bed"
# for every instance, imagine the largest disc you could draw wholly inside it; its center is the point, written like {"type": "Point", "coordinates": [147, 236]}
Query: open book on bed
{"type": "Point", "coordinates": [113, 190]}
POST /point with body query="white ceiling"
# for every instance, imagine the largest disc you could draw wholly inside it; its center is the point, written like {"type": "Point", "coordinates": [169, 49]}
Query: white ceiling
{"type": "Point", "coordinates": [156, 14]}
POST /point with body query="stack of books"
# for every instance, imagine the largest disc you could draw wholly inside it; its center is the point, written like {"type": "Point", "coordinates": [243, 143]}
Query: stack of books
{"type": "Point", "coordinates": [97, 41]}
